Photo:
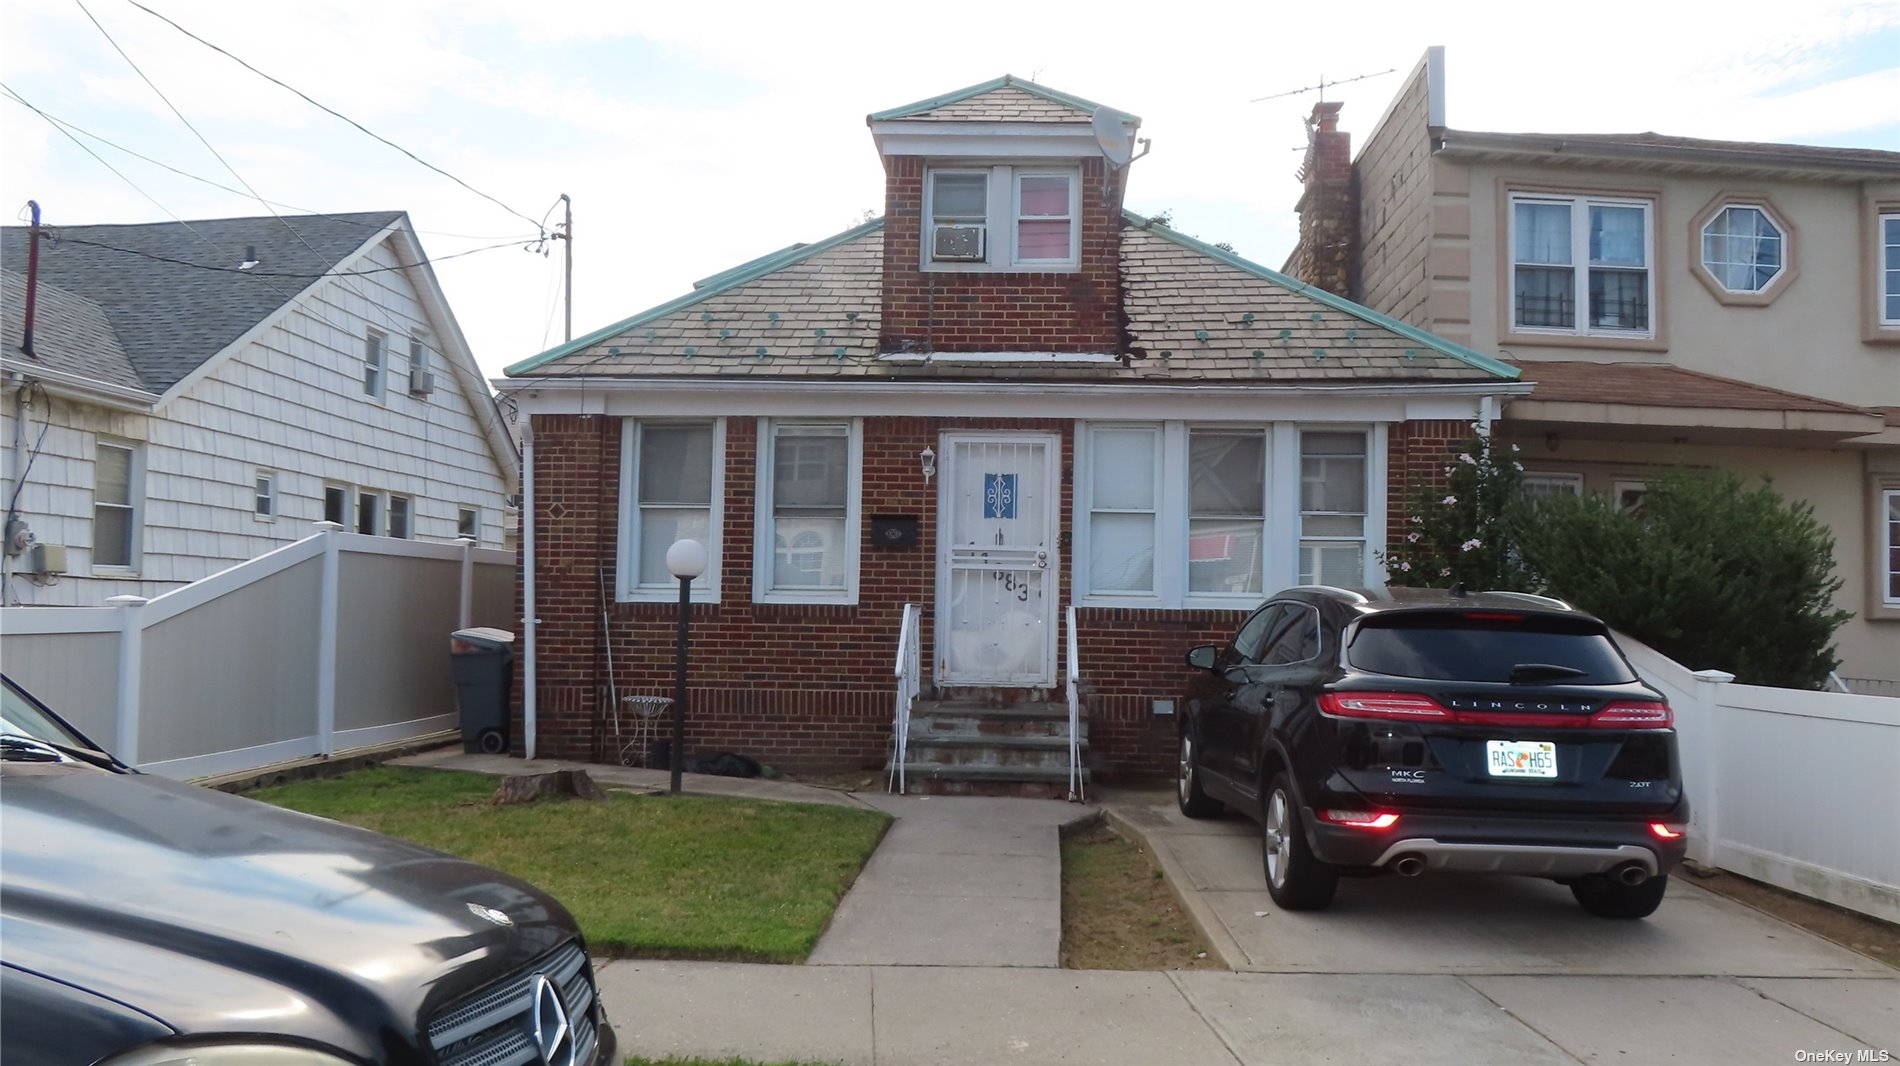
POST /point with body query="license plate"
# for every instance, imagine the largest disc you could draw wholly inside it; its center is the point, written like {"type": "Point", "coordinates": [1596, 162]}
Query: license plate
{"type": "Point", "coordinates": [1520, 758]}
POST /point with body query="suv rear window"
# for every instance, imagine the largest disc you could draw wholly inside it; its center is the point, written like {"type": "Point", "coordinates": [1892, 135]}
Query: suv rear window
{"type": "Point", "coordinates": [1488, 646]}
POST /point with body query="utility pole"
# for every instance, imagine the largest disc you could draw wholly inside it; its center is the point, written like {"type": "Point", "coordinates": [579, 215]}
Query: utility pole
{"type": "Point", "coordinates": [567, 283]}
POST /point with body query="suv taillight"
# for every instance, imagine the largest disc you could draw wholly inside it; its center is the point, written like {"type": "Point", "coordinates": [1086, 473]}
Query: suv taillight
{"type": "Point", "coordinates": [1396, 706]}
{"type": "Point", "coordinates": [1644, 715]}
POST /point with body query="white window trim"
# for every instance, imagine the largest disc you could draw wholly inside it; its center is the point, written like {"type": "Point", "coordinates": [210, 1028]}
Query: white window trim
{"type": "Point", "coordinates": [375, 364]}
{"type": "Point", "coordinates": [1618, 488]}
{"type": "Point", "coordinates": [469, 509]}
{"type": "Point", "coordinates": [1880, 266]}
{"type": "Point", "coordinates": [1280, 565]}
{"type": "Point", "coordinates": [408, 515]}
{"type": "Point", "coordinates": [1884, 571]}
{"type": "Point", "coordinates": [418, 365]}
{"type": "Point", "coordinates": [1701, 250]}
{"type": "Point", "coordinates": [269, 495]}
{"type": "Point", "coordinates": [763, 545]}
{"type": "Point", "coordinates": [379, 500]}
{"type": "Point", "coordinates": [1086, 510]}
{"type": "Point", "coordinates": [1000, 220]}
{"type": "Point", "coordinates": [348, 518]}
{"type": "Point", "coordinates": [627, 556]}
{"type": "Point", "coordinates": [135, 503]}
{"type": "Point", "coordinates": [1557, 478]}
{"type": "Point", "coordinates": [1367, 546]}
{"type": "Point", "coordinates": [1580, 264]}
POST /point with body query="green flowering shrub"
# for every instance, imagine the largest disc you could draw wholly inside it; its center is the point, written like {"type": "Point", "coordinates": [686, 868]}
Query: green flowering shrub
{"type": "Point", "coordinates": [1463, 533]}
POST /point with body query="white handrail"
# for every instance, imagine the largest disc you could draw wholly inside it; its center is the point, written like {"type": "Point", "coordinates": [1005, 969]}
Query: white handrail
{"type": "Point", "coordinates": [909, 673]}
{"type": "Point", "coordinates": [1077, 791]}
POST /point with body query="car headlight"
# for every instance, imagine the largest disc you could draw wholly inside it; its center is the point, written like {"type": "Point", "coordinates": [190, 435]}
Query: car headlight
{"type": "Point", "coordinates": [231, 1054]}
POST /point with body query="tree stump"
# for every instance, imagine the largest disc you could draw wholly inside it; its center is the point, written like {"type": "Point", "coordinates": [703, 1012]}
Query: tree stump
{"type": "Point", "coordinates": [526, 788]}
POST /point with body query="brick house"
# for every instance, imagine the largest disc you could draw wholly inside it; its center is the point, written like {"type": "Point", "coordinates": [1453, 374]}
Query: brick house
{"type": "Point", "coordinates": [1005, 397]}
{"type": "Point", "coordinates": [1673, 301]}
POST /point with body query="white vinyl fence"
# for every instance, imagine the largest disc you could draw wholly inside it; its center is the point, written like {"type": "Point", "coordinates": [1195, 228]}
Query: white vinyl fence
{"type": "Point", "coordinates": [1799, 789]}
{"type": "Point", "coordinates": [338, 641]}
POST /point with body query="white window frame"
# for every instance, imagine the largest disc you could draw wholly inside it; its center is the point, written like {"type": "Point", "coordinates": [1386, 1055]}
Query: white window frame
{"type": "Point", "coordinates": [1280, 564]}
{"type": "Point", "coordinates": [408, 530]}
{"type": "Point", "coordinates": [764, 544]}
{"type": "Point", "coordinates": [1888, 543]}
{"type": "Point", "coordinates": [472, 528]}
{"type": "Point", "coordinates": [1886, 261]}
{"type": "Point", "coordinates": [1004, 211]}
{"type": "Point", "coordinates": [1557, 480]}
{"type": "Point", "coordinates": [627, 557]}
{"type": "Point", "coordinates": [1365, 537]}
{"type": "Point", "coordinates": [1620, 487]}
{"type": "Point", "coordinates": [375, 364]}
{"type": "Point", "coordinates": [418, 365]}
{"type": "Point", "coordinates": [377, 510]}
{"type": "Point", "coordinates": [134, 505]}
{"type": "Point", "coordinates": [264, 491]}
{"type": "Point", "coordinates": [1783, 237]}
{"type": "Point", "coordinates": [1086, 511]}
{"type": "Point", "coordinates": [1236, 600]}
{"type": "Point", "coordinates": [348, 518]}
{"type": "Point", "coordinates": [1580, 265]}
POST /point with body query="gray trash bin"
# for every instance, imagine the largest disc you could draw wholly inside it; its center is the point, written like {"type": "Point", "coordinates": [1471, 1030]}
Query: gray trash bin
{"type": "Point", "coordinates": [484, 679]}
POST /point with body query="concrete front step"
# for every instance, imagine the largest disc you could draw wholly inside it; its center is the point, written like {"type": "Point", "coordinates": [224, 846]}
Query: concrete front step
{"type": "Point", "coordinates": [1030, 782]}
{"type": "Point", "coordinates": [936, 719]}
{"type": "Point", "coordinates": [943, 750]}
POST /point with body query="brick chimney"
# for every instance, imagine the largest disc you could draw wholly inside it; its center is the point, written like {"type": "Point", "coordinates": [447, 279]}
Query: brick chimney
{"type": "Point", "coordinates": [1329, 208]}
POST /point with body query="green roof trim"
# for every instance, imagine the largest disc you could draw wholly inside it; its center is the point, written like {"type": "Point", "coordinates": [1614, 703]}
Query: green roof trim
{"type": "Point", "coordinates": [731, 279]}
{"type": "Point", "coordinates": [1007, 80]}
{"type": "Point", "coordinates": [1405, 329]}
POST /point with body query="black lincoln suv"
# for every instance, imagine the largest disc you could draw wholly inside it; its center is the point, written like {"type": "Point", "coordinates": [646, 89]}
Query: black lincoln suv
{"type": "Point", "coordinates": [1413, 730]}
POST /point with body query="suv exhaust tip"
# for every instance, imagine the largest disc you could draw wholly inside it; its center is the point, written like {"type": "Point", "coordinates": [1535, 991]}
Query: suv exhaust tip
{"type": "Point", "coordinates": [1409, 865]}
{"type": "Point", "coordinates": [1631, 873]}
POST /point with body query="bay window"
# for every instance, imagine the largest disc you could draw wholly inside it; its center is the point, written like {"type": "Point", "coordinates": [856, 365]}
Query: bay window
{"type": "Point", "coordinates": [670, 487]}
{"type": "Point", "coordinates": [1176, 515]}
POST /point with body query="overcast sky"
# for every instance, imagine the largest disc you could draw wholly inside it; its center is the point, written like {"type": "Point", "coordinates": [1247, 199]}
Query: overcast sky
{"type": "Point", "coordinates": [695, 136]}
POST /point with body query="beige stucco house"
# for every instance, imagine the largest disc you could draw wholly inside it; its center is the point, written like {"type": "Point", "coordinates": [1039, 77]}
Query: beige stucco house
{"type": "Point", "coordinates": [1676, 301]}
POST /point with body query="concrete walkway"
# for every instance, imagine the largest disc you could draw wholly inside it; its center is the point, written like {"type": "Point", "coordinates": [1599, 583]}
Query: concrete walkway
{"type": "Point", "coordinates": [958, 881]}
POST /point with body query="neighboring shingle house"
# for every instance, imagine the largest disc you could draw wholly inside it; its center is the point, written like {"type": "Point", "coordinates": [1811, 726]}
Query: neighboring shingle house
{"type": "Point", "coordinates": [1674, 301]}
{"type": "Point", "coordinates": [1004, 397]}
{"type": "Point", "coordinates": [199, 393]}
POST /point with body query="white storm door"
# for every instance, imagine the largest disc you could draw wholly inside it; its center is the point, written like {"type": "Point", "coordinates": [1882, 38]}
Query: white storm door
{"type": "Point", "coordinates": [996, 563]}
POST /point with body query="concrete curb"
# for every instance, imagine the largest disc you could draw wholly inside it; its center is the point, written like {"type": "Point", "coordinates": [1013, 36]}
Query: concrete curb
{"type": "Point", "coordinates": [1219, 940]}
{"type": "Point", "coordinates": [316, 766]}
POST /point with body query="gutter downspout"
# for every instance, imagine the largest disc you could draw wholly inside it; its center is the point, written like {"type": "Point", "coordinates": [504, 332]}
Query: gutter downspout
{"type": "Point", "coordinates": [528, 619]}
{"type": "Point", "coordinates": [1489, 411]}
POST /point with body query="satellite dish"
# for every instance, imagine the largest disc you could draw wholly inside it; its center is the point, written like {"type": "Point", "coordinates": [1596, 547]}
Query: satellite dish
{"type": "Point", "coordinates": [1113, 133]}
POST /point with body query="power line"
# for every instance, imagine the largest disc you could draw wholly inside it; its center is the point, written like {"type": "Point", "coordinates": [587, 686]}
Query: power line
{"type": "Point", "coordinates": [525, 243]}
{"type": "Point", "coordinates": [331, 111]}
{"type": "Point", "coordinates": [58, 122]}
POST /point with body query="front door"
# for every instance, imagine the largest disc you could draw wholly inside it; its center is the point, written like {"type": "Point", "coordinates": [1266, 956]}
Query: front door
{"type": "Point", "coordinates": [996, 560]}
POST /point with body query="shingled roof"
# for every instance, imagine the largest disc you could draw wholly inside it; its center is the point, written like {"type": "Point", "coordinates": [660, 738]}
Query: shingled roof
{"type": "Point", "coordinates": [1195, 314]}
{"type": "Point", "coordinates": [70, 332]}
{"type": "Point", "coordinates": [1004, 99]}
{"type": "Point", "coordinates": [150, 282]}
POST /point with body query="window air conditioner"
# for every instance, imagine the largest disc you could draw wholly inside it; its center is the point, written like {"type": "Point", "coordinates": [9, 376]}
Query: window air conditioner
{"type": "Point", "coordinates": [957, 242]}
{"type": "Point", "coordinates": [422, 383]}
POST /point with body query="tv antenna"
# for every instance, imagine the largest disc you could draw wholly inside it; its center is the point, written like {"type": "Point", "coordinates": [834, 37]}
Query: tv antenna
{"type": "Point", "coordinates": [1321, 87]}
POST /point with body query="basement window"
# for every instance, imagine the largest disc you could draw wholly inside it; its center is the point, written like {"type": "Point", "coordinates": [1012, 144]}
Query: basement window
{"type": "Point", "coordinates": [1002, 218]}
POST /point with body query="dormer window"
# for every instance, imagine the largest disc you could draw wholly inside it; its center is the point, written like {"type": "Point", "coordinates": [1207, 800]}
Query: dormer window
{"type": "Point", "coordinates": [1002, 218]}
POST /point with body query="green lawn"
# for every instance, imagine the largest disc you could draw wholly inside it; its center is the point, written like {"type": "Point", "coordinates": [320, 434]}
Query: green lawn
{"type": "Point", "coordinates": [707, 877]}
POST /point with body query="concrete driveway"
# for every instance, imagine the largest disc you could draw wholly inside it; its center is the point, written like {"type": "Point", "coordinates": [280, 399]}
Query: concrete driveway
{"type": "Point", "coordinates": [1418, 969]}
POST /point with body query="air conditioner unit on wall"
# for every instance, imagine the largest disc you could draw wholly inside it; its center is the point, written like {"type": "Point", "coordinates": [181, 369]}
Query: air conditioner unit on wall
{"type": "Point", "coordinates": [960, 242]}
{"type": "Point", "coordinates": [422, 383]}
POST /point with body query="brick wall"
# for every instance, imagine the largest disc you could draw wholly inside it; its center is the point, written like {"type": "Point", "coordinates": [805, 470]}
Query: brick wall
{"type": "Point", "coordinates": [1417, 453]}
{"type": "Point", "coordinates": [1070, 311]}
{"type": "Point", "coordinates": [809, 687]}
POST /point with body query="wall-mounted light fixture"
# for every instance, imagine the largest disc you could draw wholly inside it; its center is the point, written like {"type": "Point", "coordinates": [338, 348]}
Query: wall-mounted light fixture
{"type": "Point", "coordinates": [928, 460]}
